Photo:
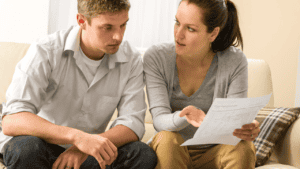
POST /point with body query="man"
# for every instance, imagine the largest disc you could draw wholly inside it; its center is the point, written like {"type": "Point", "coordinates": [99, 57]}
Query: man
{"type": "Point", "coordinates": [65, 90]}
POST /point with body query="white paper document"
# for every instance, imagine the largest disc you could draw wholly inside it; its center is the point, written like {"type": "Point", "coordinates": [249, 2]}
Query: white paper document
{"type": "Point", "coordinates": [224, 116]}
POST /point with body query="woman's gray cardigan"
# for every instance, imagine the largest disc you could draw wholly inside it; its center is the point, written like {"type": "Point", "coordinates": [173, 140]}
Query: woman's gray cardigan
{"type": "Point", "coordinates": [159, 64]}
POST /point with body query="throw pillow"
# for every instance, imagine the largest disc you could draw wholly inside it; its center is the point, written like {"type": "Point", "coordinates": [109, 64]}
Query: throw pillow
{"type": "Point", "coordinates": [273, 125]}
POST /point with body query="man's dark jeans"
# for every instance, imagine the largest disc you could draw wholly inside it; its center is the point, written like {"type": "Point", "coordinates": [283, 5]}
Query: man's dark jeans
{"type": "Point", "coordinates": [31, 152]}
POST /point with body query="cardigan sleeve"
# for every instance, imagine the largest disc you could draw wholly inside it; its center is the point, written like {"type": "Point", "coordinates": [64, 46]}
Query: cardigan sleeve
{"type": "Point", "coordinates": [238, 83]}
{"type": "Point", "coordinates": [156, 67]}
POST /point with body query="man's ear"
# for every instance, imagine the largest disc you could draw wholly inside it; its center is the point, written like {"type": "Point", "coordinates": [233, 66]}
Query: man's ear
{"type": "Point", "coordinates": [214, 34]}
{"type": "Point", "coordinates": [81, 20]}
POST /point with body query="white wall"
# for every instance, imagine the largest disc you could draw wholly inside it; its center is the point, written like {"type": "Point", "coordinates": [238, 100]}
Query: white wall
{"type": "Point", "coordinates": [271, 31]}
{"type": "Point", "coordinates": [23, 20]}
{"type": "Point", "coordinates": [150, 22]}
{"type": "Point", "coordinates": [62, 14]}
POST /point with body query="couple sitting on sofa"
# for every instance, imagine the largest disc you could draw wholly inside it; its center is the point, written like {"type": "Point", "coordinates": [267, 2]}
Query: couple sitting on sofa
{"type": "Point", "coordinates": [66, 88]}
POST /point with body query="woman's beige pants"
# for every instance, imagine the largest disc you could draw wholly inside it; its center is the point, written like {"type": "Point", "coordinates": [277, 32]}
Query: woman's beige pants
{"type": "Point", "coordinates": [171, 155]}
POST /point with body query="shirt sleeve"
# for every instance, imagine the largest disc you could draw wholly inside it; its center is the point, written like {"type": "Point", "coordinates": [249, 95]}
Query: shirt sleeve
{"type": "Point", "coordinates": [28, 87]}
{"type": "Point", "coordinates": [157, 92]}
{"type": "Point", "coordinates": [132, 105]}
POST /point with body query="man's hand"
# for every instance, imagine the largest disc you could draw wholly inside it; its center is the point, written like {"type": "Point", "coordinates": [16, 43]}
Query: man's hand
{"type": "Point", "coordinates": [193, 115]}
{"type": "Point", "coordinates": [104, 151]}
{"type": "Point", "coordinates": [248, 132]}
{"type": "Point", "coordinates": [72, 157]}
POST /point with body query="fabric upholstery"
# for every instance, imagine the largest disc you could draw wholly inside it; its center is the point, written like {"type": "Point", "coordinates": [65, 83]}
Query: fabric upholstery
{"type": "Point", "coordinates": [276, 166]}
{"type": "Point", "coordinates": [10, 54]}
{"type": "Point", "coordinates": [260, 80]}
{"type": "Point", "coordinates": [274, 124]}
{"type": "Point", "coordinates": [287, 148]}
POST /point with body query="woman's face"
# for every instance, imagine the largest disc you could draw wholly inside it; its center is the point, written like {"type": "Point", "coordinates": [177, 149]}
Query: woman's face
{"type": "Point", "coordinates": [190, 33]}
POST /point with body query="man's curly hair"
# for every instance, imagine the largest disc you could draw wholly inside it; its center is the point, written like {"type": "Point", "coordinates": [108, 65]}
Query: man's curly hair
{"type": "Point", "coordinates": [92, 8]}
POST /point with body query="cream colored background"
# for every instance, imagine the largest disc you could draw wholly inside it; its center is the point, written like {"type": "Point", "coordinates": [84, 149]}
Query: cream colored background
{"type": "Point", "coordinates": [271, 31]}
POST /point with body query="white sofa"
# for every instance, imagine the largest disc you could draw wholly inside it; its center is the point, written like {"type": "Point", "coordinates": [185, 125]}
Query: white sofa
{"type": "Point", "coordinates": [286, 153]}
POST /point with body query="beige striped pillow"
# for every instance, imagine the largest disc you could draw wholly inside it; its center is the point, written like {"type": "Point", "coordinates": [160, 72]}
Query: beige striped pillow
{"type": "Point", "coordinates": [274, 122]}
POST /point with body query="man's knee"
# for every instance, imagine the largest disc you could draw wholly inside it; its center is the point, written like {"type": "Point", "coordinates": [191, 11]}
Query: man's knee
{"type": "Point", "coordinates": [143, 150]}
{"type": "Point", "coordinates": [23, 147]}
{"type": "Point", "coordinates": [137, 155]}
{"type": "Point", "coordinates": [130, 156]}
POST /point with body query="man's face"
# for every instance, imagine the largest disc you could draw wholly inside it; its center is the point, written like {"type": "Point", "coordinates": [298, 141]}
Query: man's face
{"type": "Point", "coordinates": [105, 33]}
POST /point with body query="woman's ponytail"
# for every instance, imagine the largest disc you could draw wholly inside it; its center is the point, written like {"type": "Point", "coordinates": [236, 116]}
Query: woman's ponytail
{"type": "Point", "coordinates": [223, 14]}
{"type": "Point", "coordinates": [230, 35]}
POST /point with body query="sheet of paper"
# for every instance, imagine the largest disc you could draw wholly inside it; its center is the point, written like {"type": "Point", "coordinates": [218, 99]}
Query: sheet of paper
{"type": "Point", "coordinates": [224, 116]}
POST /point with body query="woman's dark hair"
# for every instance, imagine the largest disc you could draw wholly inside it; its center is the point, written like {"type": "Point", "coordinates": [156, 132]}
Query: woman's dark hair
{"type": "Point", "coordinates": [223, 14]}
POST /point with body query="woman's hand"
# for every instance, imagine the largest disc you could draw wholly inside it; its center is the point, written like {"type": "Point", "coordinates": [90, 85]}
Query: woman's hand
{"type": "Point", "coordinates": [248, 132]}
{"type": "Point", "coordinates": [193, 115]}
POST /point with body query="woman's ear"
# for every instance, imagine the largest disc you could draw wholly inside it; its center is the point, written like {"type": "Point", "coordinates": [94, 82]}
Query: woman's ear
{"type": "Point", "coordinates": [81, 20]}
{"type": "Point", "coordinates": [214, 34]}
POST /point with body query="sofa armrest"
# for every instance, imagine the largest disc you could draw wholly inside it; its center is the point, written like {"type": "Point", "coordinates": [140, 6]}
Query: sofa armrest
{"type": "Point", "coordinates": [260, 79]}
{"type": "Point", "coordinates": [287, 149]}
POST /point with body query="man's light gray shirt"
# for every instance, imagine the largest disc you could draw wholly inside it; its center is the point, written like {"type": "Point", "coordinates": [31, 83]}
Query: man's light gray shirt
{"type": "Point", "coordinates": [50, 82]}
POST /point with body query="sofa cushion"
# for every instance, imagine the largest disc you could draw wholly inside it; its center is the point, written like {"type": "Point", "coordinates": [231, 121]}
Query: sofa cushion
{"type": "Point", "coordinates": [276, 166]}
{"type": "Point", "coordinates": [11, 53]}
{"type": "Point", "coordinates": [273, 124]}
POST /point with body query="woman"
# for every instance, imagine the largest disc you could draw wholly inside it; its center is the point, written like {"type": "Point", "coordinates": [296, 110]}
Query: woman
{"type": "Point", "coordinates": [183, 79]}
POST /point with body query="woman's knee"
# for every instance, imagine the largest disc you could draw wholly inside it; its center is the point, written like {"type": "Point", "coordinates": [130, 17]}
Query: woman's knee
{"type": "Point", "coordinates": [246, 148]}
{"type": "Point", "coordinates": [167, 144]}
{"type": "Point", "coordinates": [168, 137]}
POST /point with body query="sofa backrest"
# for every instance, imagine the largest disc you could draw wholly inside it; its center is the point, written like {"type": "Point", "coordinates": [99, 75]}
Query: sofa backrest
{"type": "Point", "coordinates": [259, 78]}
{"type": "Point", "coordinates": [10, 54]}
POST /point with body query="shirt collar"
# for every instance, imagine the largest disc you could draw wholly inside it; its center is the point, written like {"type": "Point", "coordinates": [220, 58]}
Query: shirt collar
{"type": "Point", "coordinates": [120, 56]}
{"type": "Point", "coordinates": [73, 39]}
